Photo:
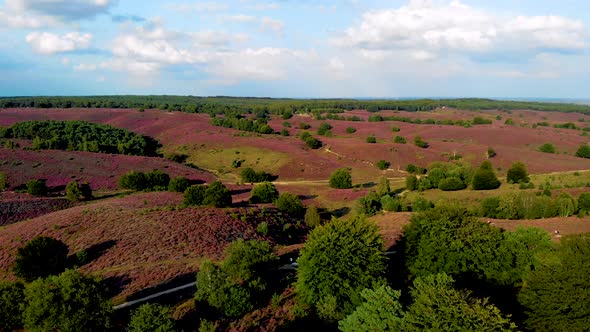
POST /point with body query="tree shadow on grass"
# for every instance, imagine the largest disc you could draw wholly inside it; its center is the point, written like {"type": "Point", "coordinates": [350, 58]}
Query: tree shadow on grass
{"type": "Point", "coordinates": [115, 285]}
{"type": "Point", "coordinates": [338, 213]}
{"type": "Point", "coordinates": [366, 185]}
{"type": "Point", "coordinates": [91, 253]}
{"type": "Point", "coordinates": [240, 191]}
{"type": "Point", "coordinates": [307, 197]}
{"type": "Point", "coordinates": [177, 281]}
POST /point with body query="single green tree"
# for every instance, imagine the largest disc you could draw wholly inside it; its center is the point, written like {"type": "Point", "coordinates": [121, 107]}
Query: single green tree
{"type": "Point", "coordinates": [312, 217]}
{"type": "Point", "coordinates": [547, 148]}
{"type": "Point", "coordinates": [73, 192]}
{"type": "Point", "coordinates": [485, 178]}
{"type": "Point", "coordinates": [341, 179]}
{"type": "Point", "coordinates": [265, 192]}
{"type": "Point", "coordinates": [217, 195]}
{"type": "Point", "coordinates": [383, 188]}
{"type": "Point", "coordinates": [133, 181]}
{"type": "Point", "coordinates": [37, 188]}
{"type": "Point", "coordinates": [338, 261]}
{"type": "Point", "coordinates": [583, 151]}
{"type": "Point", "coordinates": [451, 184]}
{"type": "Point", "coordinates": [491, 152]}
{"type": "Point", "coordinates": [68, 302]}
{"type": "Point", "coordinates": [584, 202]}
{"type": "Point", "coordinates": [12, 303]}
{"type": "Point", "coordinates": [41, 257]}
{"type": "Point", "coordinates": [517, 173]}
{"type": "Point", "coordinates": [151, 318]}
{"type": "Point", "coordinates": [371, 139]}
{"type": "Point", "coordinates": [411, 183]}
{"type": "Point", "coordinates": [556, 297]}
{"type": "Point", "coordinates": [290, 204]}
{"type": "Point", "coordinates": [383, 164]}
{"type": "Point", "coordinates": [399, 140]}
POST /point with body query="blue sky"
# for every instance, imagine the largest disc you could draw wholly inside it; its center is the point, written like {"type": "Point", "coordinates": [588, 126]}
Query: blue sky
{"type": "Point", "coordinates": [288, 48]}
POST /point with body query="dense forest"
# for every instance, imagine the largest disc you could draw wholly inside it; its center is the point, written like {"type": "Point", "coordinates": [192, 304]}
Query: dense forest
{"type": "Point", "coordinates": [227, 105]}
{"type": "Point", "coordinates": [81, 136]}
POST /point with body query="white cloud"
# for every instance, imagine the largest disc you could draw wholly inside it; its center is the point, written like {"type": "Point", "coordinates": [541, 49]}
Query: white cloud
{"type": "Point", "coordinates": [131, 66]}
{"type": "Point", "coordinates": [432, 29]}
{"type": "Point", "coordinates": [64, 9]}
{"type": "Point", "coordinates": [19, 20]}
{"type": "Point", "coordinates": [199, 7]}
{"type": "Point", "coordinates": [158, 51]}
{"type": "Point", "coordinates": [272, 25]}
{"type": "Point", "coordinates": [85, 67]}
{"type": "Point", "coordinates": [49, 43]}
{"type": "Point", "coordinates": [264, 6]}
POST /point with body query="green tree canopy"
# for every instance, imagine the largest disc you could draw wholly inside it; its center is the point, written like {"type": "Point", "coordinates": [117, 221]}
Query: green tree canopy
{"type": "Point", "coordinates": [68, 302]}
{"type": "Point", "coordinates": [37, 188]}
{"type": "Point", "coordinates": [179, 184]}
{"type": "Point", "coordinates": [556, 296]}
{"type": "Point", "coordinates": [341, 179]}
{"type": "Point", "coordinates": [265, 192]}
{"type": "Point", "coordinates": [41, 257]}
{"type": "Point", "coordinates": [583, 151]}
{"type": "Point", "coordinates": [517, 173]}
{"type": "Point", "coordinates": [485, 178]}
{"type": "Point", "coordinates": [380, 311]}
{"type": "Point", "coordinates": [338, 261]}
{"type": "Point", "coordinates": [151, 318]}
{"type": "Point", "coordinates": [312, 217]}
{"type": "Point", "coordinates": [12, 300]}
{"type": "Point", "coordinates": [217, 195]}
{"type": "Point", "coordinates": [290, 204]}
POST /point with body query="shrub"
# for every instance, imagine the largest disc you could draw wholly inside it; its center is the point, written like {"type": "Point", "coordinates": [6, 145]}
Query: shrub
{"type": "Point", "coordinates": [421, 204]}
{"type": "Point", "coordinates": [517, 173]}
{"type": "Point", "coordinates": [489, 207]}
{"type": "Point", "coordinates": [237, 163]}
{"type": "Point", "coordinates": [285, 132]}
{"type": "Point", "coordinates": [157, 180]}
{"type": "Point", "coordinates": [313, 143]}
{"type": "Point", "coordinates": [68, 302]}
{"type": "Point", "coordinates": [485, 178]}
{"type": "Point", "coordinates": [151, 318]}
{"type": "Point", "coordinates": [178, 185]}
{"type": "Point", "coordinates": [390, 204]}
{"type": "Point", "coordinates": [217, 195]}
{"type": "Point", "coordinates": [371, 139]}
{"type": "Point", "coordinates": [304, 126]}
{"type": "Point", "coordinates": [411, 183]}
{"type": "Point", "coordinates": [324, 129]}
{"type": "Point", "coordinates": [383, 164]}
{"type": "Point", "coordinates": [37, 188]}
{"type": "Point", "coordinates": [369, 205]}
{"type": "Point", "coordinates": [286, 124]}
{"type": "Point", "coordinates": [312, 217]}
{"type": "Point", "coordinates": [451, 184]}
{"type": "Point", "coordinates": [583, 151]}
{"type": "Point", "coordinates": [264, 192]}
{"type": "Point", "coordinates": [395, 129]}
{"type": "Point", "coordinates": [326, 272]}
{"type": "Point", "coordinates": [383, 188]}
{"type": "Point", "coordinates": [41, 257]}
{"type": "Point", "coordinates": [584, 202]}
{"type": "Point", "coordinates": [133, 181]}
{"type": "Point", "coordinates": [399, 139]}
{"type": "Point", "coordinates": [420, 143]}
{"type": "Point", "coordinates": [251, 176]}
{"type": "Point", "coordinates": [290, 204]}
{"type": "Point", "coordinates": [547, 148]}
{"type": "Point", "coordinates": [491, 152]}
{"type": "Point", "coordinates": [12, 300]}
{"type": "Point", "coordinates": [413, 169]}
{"type": "Point", "coordinates": [350, 130]}
{"type": "Point", "coordinates": [73, 193]}
{"type": "Point", "coordinates": [194, 195]}
{"type": "Point", "coordinates": [341, 179]}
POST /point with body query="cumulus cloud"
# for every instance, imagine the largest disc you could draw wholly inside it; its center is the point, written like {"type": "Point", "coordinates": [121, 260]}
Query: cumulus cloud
{"type": "Point", "coordinates": [49, 43]}
{"type": "Point", "coordinates": [85, 67]}
{"type": "Point", "coordinates": [18, 20]}
{"type": "Point", "coordinates": [430, 29]}
{"type": "Point", "coordinates": [199, 7]}
{"type": "Point", "coordinates": [68, 9]}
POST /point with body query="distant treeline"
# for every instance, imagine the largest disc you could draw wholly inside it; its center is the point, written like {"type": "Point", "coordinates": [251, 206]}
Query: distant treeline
{"type": "Point", "coordinates": [240, 105]}
{"type": "Point", "coordinates": [81, 136]}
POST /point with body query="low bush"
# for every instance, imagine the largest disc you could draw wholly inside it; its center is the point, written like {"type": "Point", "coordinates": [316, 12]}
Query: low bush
{"type": "Point", "coordinates": [383, 164]}
{"type": "Point", "coordinates": [341, 179]}
{"type": "Point", "coordinates": [178, 185]}
{"type": "Point", "coordinates": [265, 192]}
{"type": "Point", "coordinates": [399, 140]}
{"type": "Point", "coordinates": [290, 204]}
{"type": "Point", "coordinates": [37, 188]}
{"type": "Point", "coordinates": [451, 184]}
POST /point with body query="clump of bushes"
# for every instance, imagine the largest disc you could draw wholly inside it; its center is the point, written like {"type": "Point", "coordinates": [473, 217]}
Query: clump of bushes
{"type": "Point", "coordinates": [485, 178]}
{"type": "Point", "coordinates": [547, 148]}
{"type": "Point", "coordinates": [419, 142]}
{"type": "Point", "coordinates": [371, 139]}
{"type": "Point", "coordinates": [155, 180]}
{"type": "Point", "coordinates": [399, 140]}
{"type": "Point", "coordinates": [41, 257]}
{"type": "Point", "coordinates": [517, 173]}
{"type": "Point", "coordinates": [179, 184]}
{"type": "Point", "coordinates": [249, 175]}
{"type": "Point", "coordinates": [350, 130]}
{"type": "Point", "coordinates": [583, 151]}
{"type": "Point", "coordinates": [526, 205]}
{"type": "Point", "coordinates": [216, 194]}
{"type": "Point", "coordinates": [325, 129]}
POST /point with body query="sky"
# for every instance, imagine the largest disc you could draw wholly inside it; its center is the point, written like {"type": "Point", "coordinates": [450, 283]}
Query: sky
{"type": "Point", "coordinates": [297, 48]}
